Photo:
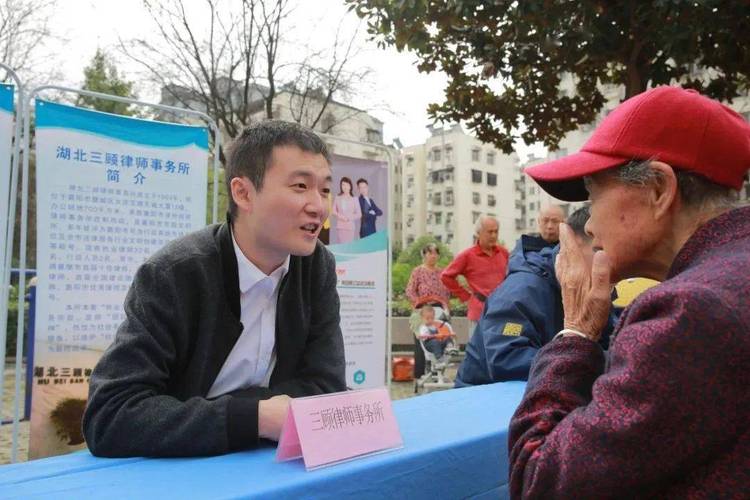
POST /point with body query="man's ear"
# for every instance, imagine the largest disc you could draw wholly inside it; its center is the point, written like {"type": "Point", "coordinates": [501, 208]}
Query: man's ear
{"type": "Point", "coordinates": [663, 194]}
{"type": "Point", "coordinates": [243, 193]}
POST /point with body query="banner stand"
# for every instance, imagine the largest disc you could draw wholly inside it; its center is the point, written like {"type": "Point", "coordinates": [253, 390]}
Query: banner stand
{"type": "Point", "coordinates": [27, 104]}
{"type": "Point", "coordinates": [391, 202]}
{"type": "Point", "coordinates": [10, 229]}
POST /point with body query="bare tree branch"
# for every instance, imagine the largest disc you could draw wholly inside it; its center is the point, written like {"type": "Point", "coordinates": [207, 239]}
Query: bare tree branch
{"type": "Point", "coordinates": [24, 38]}
{"type": "Point", "coordinates": [229, 58]}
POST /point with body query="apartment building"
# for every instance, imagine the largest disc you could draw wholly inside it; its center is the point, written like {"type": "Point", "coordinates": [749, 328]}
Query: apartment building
{"type": "Point", "coordinates": [449, 181]}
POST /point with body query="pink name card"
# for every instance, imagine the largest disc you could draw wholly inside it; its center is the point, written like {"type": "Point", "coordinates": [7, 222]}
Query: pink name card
{"type": "Point", "coordinates": [332, 428]}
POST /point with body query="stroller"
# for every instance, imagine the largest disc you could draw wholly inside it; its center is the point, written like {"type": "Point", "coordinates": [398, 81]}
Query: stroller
{"type": "Point", "coordinates": [429, 370]}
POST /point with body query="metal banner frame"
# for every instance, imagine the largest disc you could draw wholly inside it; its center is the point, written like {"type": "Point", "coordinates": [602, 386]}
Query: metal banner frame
{"type": "Point", "coordinates": [26, 107]}
{"type": "Point", "coordinates": [10, 229]}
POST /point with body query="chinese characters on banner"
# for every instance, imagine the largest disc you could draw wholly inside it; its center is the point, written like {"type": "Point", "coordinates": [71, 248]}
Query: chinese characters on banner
{"type": "Point", "coordinates": [361, 267]}
{"type": "Point", "coordinates": [111, 191]}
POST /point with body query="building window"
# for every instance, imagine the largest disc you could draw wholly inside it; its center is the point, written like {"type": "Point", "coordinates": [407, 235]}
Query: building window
{"type": "Point", "coordinates": [409, 240]}
{"type": "Point", "coordinates": [448, 218]}
{"type": "Point", "coordinates": [438, 217]}
{"type": "Point", "coordinates": [532, 205]}
{"type": "Point", "coordinates": [439, 237]}
{"type": "Point", "coordinates": [409, 161]}
{"type": "Point", "coordinates": [410, 181]}
{"type": "Point", "coordinates": [437, 199]}
{"type": "Point", "coordinates": [329, 122]}
{"type": "Point", "coordinates": [436, 154]}
{"type": "Point", "coordinates": [531, 222]}
{"type": "Point", "coordinates": [449, 198]}
{"type": "Point", "coordinates": [448, 152]}
{"type": "Point", "coordinates": [491, 200]}
{"type": "Point", "coordinates": [449, 239]}
{"type": "Point", "coordinates": [476, 176]}
{"type": "Point", "coordinates": [374, 136]}
{"type": "Point", "coordinates": [474, 217]}
{"type": "Point", "coordinates": [476, 199]}
{"type": "Point", "coordinates": [409, 201]}
{"type": "Point", "coordinates": [475, 154]}
{"type": "Point", "coordinates": [491, 179]}
{"type": "Point", "coordinates": [490, 158]}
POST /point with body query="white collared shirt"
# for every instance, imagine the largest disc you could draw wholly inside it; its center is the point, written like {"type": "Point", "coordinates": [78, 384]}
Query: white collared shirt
{"type": "Point", "coordinates": [253, 357]}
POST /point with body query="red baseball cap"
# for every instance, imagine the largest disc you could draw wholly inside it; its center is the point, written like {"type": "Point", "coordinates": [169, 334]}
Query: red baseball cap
{"type": "Point", "coordinates": [670, 124]}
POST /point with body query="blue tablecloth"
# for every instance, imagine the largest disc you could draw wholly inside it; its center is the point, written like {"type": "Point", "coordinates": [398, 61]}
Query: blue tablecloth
{"type": "Point", "coordinates": [455, 446]}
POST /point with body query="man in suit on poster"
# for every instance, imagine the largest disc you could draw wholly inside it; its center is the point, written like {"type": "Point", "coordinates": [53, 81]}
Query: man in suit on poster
{"type": "Point", "coordinates": [370, 210]}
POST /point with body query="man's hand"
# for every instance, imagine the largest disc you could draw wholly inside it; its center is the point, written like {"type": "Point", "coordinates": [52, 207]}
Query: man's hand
{"type": "Point", "coordinates": [271, 415]}
{"type": "Point", "coordinates": [586, 293]}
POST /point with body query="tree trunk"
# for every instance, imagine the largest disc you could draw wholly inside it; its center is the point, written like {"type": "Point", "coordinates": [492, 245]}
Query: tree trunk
{"type": "Point", "coordinates": [636, 80]}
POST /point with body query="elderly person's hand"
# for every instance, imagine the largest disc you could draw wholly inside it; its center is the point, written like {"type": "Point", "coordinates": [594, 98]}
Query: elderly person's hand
{"type": "Point", "coordinates": [586, 291]}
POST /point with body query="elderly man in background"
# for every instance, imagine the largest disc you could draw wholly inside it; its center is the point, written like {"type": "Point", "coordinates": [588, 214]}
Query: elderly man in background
{"type": "Point", "coordinates": [522, 315]}
{"type": "Point", "coordinates": [548, 222]}
{"type": "Point", "coordinates": [483, 265]}
{"type": "Point", "coordinates": [668, 414]}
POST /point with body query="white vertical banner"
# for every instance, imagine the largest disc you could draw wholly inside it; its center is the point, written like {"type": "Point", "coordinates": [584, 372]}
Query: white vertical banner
{"type": "Point", "coordinates": [361, 265]}
{"type": "Point", "coordinates": [111, 190]}
{"type": "Point", "coordinates": [6, 142]}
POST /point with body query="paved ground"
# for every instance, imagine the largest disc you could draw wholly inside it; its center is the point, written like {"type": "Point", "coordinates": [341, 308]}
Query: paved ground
{"type": "Point", "coordinates": [399, 390]}
{"type": "Point", "coordinates": [6, 431]}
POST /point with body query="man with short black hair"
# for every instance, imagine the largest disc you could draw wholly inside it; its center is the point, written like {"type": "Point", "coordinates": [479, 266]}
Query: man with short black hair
{"type": "Point", "coordinates": [370, 211]}
{"type": "Point", "coordinates": [225, 324]}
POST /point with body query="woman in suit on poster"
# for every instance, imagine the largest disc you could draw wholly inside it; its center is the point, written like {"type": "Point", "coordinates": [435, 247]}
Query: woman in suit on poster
{"type": "Point", "coordinates": [346, 211]}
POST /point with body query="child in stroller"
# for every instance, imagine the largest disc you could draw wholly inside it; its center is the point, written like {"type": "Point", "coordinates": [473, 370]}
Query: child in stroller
{"type": "Point", "coordinates": [436, 343]}
{"type": "Point", "coordinates": [436, 336]}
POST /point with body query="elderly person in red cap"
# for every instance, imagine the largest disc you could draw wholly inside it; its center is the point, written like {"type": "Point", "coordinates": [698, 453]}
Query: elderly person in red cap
{"type": "Point", "coordinates": [667, 413]}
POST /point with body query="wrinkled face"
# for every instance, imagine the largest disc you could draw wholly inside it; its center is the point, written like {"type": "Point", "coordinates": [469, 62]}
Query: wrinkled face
{"type": "Point", "coordinates": [622, 224]}
{"type": "Point", "coordinates": [428, 315]}
{"type": "Point", "coordinates": [549, 223]}
{"type": "Point", "coordinates": [363, 189]}
{"type": "Point", "coordinates": [431, 257]}
{"type": "Point", "coordinates": [488, 233]}
{"type": "Point", "coordinates": [289, 211]}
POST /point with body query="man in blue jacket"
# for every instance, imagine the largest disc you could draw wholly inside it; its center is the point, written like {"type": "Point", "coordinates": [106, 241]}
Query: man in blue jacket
{"type": "Point", "coordinates": [521, 315]}
{"type": "Point", "coordinates": [370, 210]}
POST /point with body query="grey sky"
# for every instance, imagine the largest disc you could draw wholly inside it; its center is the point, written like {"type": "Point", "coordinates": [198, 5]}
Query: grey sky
{"type": "Point", "coordinates": [397, 93]}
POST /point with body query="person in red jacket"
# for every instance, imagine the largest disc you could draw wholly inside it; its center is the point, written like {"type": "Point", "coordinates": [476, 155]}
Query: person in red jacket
{"type": "Point", "coordinates": [667, 413]}
{"type": "Point", "coordinates": [483, 265]}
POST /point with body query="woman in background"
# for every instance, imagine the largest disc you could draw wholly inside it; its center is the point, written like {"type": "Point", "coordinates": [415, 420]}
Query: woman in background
{"type": "Point", "coordinates": [346, 211]}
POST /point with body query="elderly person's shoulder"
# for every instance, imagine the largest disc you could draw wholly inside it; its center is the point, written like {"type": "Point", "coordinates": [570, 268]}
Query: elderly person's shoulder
{"type": "Point", "coordinates": [706, 294]}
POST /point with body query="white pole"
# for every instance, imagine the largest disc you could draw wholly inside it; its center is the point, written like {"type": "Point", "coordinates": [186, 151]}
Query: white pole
{"type": "Point", "coordinates": [10, 229]}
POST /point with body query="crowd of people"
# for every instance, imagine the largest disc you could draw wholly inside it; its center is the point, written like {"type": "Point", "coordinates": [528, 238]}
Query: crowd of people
{"type": "Point", "coordinates": [225, 325]}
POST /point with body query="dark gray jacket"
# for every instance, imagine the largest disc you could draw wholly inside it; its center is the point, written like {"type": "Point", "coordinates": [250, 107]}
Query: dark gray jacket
{"type": "Point", "coordinates": [147, 395]}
